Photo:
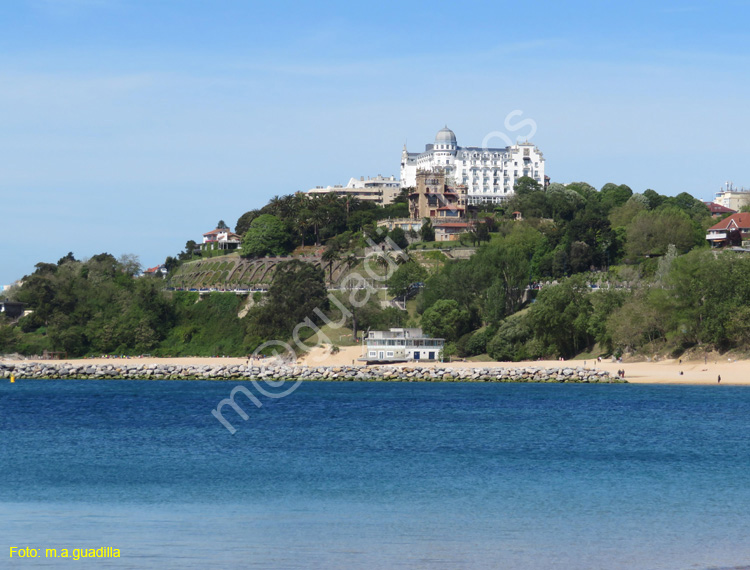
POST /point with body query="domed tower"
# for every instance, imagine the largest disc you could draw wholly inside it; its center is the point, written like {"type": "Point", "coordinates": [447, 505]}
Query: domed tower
{"type": "Point", "coordinates": [445, 139]}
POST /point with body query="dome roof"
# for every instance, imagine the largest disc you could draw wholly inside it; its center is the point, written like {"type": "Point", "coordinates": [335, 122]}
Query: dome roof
{"type": "Point", "coordinates": [445, 136]}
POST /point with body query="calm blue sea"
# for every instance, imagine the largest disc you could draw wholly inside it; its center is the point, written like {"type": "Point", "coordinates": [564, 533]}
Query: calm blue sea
{"type": "Point", "coordinates": [377, 475]}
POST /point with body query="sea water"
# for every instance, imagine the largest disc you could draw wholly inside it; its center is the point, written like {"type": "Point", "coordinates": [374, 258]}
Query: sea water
{"type": "Point", "coordinates": [377, 475]}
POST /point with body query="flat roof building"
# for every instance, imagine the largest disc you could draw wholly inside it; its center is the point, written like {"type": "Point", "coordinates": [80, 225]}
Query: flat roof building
{"type": "Point", "coordinates": [732, 198]}
{"type": "Point", "coordinates": [401, 345]}
{"type": "Point", "coordinates": [379, 189]}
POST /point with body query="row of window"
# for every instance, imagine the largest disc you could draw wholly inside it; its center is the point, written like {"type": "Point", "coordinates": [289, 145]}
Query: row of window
{"type": "Point", "coordinates": [389, 354]}
{"type": "Point", "coordinates": [375, 343]}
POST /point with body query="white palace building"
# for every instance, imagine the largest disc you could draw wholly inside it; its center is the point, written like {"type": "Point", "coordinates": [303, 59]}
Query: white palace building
{"type": "Point", "coordinates": [488, 173]}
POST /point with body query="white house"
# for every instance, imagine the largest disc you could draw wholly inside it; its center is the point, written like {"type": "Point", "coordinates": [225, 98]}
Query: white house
{"type": "Point", "coordinates": [401, 345]}
{"type": "Point", "coordinates": [490, 174]}
{"type": "Point", "coordinates": [221, 239]}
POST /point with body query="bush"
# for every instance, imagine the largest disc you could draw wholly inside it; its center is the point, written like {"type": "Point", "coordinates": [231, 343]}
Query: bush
{"type": "Point", "coordinates": [477, 343]}
{"type": "Point", "coordinates": [509, 340]}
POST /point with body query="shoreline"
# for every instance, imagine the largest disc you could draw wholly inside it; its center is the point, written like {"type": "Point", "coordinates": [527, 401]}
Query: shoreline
{"type": "Point", "coordinates": [694, 372]}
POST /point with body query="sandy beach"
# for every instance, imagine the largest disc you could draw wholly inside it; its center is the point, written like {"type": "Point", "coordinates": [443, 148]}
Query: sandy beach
{"type": "Point", "coordinates": [661, 372]}
{"type": "Point", "coordinates": [732, 372]}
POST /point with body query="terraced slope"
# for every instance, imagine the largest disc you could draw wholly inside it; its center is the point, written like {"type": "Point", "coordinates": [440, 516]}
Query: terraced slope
{"type": "Point", "coordinates": [232, 272]}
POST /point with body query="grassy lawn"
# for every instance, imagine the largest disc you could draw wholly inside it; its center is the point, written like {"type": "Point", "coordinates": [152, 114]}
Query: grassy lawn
{"type": "Point", "coordinates": [422, 245]}
{"type": "Point", "coordinates": [411, 308]}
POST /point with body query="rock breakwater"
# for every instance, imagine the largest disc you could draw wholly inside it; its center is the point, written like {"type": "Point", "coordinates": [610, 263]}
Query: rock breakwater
{"type": "Point", "coordinates": [132, 370]}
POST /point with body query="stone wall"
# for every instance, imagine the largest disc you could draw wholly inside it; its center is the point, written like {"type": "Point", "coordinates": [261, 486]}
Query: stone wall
{"type": "Point", "coordinates": [125, 369]}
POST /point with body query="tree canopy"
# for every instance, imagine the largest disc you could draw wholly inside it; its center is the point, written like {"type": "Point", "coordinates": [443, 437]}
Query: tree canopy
{"type": "Point", "coordinates": [267, 235]}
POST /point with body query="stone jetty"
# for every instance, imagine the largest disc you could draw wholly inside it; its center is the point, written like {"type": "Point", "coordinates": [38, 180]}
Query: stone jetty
{"type": "Point", "coordinates": [124, 369]}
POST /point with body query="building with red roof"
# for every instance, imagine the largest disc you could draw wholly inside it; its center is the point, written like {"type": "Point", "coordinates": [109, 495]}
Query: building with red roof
{"type": "Point", "coordinates": [717, 210]}
{"type": "Point", "coordinates": [730, 231]}
{"type": "Point", "coordinates": [158, 271]}
{"type": "Point", "coordinates": [221, 238]}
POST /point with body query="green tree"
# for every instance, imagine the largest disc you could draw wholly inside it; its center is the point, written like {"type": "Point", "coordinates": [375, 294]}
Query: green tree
{"type": "Point", "coordinates": [604, 303]}
{"type": "Point", "coordinates": [529, 198]}
{"type": "Point", "coordinates": [297, 289]}
{"type": "Point", "coordinates": [636, 323]}
{"type": "Point", "coordinates": [562, 202]}
{"type": "Point", "coordinates": [651, 232]}
{"type": "Point", "coordinates": [399, 237]}
{"type": "Point", "coordinates": [330, 256]}
{"type": "Point", "coordinates": [67, 258]}
{"type": "Point", "coordinates": [482, 232]}
{"type": "Point", "coordinates": [190, 248]}
{"type": "Point", "coordinates": [427, 231]}
{"type": "Point", "coordinates": [654, 199]}
{"type": "Point", "coordinates": [266, 235]}
{"type": "Point", "coordinates": [405, 277]}
{"type": "Point", "coordinates": [511, 339]}
{"type": "Point", "coordinates": [559, 317]}
{"type": "Point", "coordinates": [445, 320]}
{"type": "Point", "coordinates": [96, 306]}
{"type": "Point", "coordinates": [612, 195]}
{"type": "Point", "coordinates": [622, 216]}
{"type": "Point", "coordinates": [244, 221]}
{"type": "Point", "coordinates": [171, 264]}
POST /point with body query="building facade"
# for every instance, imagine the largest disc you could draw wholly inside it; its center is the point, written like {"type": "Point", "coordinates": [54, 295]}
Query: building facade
{"type": "Point", "coordinates": [733, 230]}
{"type": "Point", "coordinates": [489, 174]}
{"type": "Point", "coordinates": [732, 198]}
{"type": "Point", "coordinates": [379, 189]}
{"type": "Point", "coordinates": [433, 198]}
{"type": "Point", "coordinates": [221, 238]}
{"type": "Point", "coordinates": [401, 345]}
{"type": "Point", "coordinates": [717, 210]}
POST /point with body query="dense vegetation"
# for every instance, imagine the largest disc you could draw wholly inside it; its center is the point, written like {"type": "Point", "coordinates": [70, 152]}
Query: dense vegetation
{"type": "Point", "coordinates": [604, 271]}
{"type": "Point", "coordinates": [581, 237]}
{"type": "Point", "coordinates": [298, 220]}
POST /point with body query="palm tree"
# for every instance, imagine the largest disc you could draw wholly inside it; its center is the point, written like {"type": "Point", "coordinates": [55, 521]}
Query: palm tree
{"type": "Point", "coordinates": [351, 260]}
{"type": "Point", "coordinates": [382, 261]}
{"type": "Point", "coordinates": [398, 257]}
{"type": "Point", "coordinates": [317, 218]}
{"type": "Point", "coordinates": [330, 256]}
{"type": "Point", "coordinates": [302, 223]}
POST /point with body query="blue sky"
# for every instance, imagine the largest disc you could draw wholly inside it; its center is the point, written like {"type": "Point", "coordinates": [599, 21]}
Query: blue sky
{"type": "Point", "coordinates": [133, 126]}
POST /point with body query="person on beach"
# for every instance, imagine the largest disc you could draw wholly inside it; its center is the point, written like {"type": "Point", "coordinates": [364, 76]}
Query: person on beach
{"type": "Point", "coordinates": [718, 381]}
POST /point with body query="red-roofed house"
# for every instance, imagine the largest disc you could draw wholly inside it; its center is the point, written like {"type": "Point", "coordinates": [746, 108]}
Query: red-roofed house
{"type": "Point", "coordinates": [158, 271]}
{"type": "Point", "coordinates": [730, 231]}
{"type": "Point", "coordinates": [717, 210]}
{"type": "Point", "coordinates": [221, 239]}
{"type": "Point", "coordinates": [451, 231]}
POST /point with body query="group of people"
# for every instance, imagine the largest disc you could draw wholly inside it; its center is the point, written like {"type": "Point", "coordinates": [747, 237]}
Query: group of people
{"type": "Point", "coordinates": [621, 373]}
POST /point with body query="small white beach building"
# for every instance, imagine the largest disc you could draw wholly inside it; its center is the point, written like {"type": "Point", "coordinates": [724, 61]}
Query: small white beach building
{"type": "Point", "coordinates": [401, 345]}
